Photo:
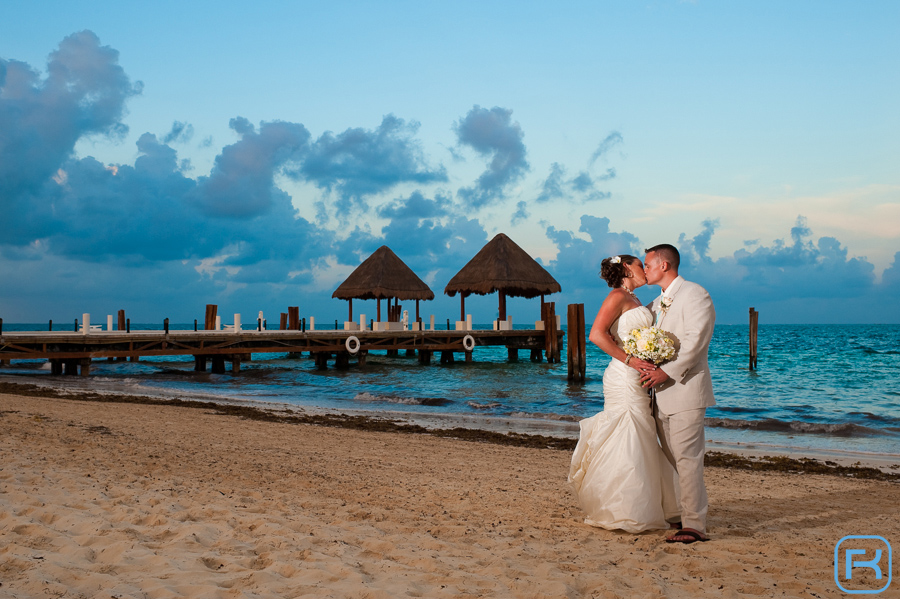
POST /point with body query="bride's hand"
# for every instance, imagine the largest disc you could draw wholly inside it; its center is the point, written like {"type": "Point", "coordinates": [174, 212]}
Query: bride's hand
{"type": "Point", "coordinates": [641, 365]}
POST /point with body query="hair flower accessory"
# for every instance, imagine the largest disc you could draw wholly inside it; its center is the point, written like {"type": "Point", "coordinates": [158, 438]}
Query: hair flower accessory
{"type": "Point", "coordinates": [615, 260]}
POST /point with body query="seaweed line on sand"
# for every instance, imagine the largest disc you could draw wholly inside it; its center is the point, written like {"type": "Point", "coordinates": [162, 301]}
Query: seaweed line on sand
{"type": "Point", "coordinates": [375, 424]}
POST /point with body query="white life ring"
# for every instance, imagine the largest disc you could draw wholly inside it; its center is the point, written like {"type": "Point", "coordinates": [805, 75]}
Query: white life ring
{"type": "Point", "coordinates": [352, 344]}
{"type": "Point", "coordinates": [469, 342]}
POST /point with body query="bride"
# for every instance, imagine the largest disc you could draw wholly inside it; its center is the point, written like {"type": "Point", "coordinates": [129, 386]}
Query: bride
{"type": "Point", "coordinates": [619, 473]}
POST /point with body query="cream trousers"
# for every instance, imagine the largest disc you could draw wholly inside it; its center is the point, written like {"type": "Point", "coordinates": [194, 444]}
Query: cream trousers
{"type": "Point", "coordinates": [684, 445]}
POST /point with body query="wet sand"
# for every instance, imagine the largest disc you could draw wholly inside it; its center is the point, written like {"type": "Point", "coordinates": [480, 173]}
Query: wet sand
{"type": "Point", "coordinates": [109, 499]}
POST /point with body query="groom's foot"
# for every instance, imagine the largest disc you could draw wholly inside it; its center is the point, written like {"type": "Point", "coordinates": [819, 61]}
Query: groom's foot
{"type": "Point", "coordinates": [674, 525]}
{"type": "Point", "coordinates": [687, 536]}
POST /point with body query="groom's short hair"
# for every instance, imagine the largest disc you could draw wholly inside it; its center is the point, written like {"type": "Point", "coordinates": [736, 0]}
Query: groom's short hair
{"type": "Point", "coordinates": [667, 252]}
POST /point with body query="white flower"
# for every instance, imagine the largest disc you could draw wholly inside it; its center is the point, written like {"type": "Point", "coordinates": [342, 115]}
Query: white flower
{"type": "Point", "coordinates": [615, 259]}
{"type": "Point", "coordinates": [650, 344]}
{"type": "Point", "coordinates": [665, 303]}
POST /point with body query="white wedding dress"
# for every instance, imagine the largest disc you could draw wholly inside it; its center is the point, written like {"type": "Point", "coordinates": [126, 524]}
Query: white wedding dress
{"type": "Point", "coordinates": [619, 472]}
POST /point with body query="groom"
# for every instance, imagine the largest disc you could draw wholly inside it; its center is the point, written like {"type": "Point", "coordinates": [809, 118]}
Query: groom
{"type": "Point", "coordinates": [683, 386]}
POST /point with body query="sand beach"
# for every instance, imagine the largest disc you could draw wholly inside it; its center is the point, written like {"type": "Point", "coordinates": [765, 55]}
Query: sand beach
{"type": "Point", "coordinates": [121, 500]}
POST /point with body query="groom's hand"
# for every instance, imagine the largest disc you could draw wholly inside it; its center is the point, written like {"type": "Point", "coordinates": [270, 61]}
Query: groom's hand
{"type": "Point", "coordinates": [653, 378]}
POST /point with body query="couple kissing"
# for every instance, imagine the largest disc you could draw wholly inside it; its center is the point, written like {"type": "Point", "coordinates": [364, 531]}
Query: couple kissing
{"type": "Point", "coordinates": [638, 464]}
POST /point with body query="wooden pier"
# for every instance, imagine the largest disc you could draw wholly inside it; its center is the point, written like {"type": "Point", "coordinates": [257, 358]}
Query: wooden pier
{"type": "Point", "coordinates": [71, 353]}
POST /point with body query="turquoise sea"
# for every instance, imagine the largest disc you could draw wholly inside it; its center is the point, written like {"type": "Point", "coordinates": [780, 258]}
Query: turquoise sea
{"type": "Point", "coordinates": [817, 388]}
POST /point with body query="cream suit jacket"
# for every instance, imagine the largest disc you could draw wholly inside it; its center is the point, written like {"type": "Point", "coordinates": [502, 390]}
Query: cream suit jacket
{"type": "Point", "coordinates": [690, 320]}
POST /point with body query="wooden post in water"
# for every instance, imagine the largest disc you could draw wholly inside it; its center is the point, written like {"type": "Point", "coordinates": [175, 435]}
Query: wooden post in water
{"type": "Point", "coordinates": [576, 343]}
{"type": "Point", "coordinates": [754, 327]}
{"type": "Point", "coordinates": [210, 321]}
{"type": "Point", "coordinates": [551, 341]}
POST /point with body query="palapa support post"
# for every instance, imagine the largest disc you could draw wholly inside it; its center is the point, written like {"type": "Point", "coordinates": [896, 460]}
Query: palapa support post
{"type": "Point", "coordinates": [283, 323]}
{"type": "Point", "coordinates": [754, 327]}
{"type": "Point", "coordinates": [350, 301]}
{"type": "Point", "coordinates": [576, 343]}
{"type": "Point", "coordinates": [209, 323]}
{"type": "Point", "coordinates": [462, 307]}
{"type": "Point", "coordinates": [502, 307]}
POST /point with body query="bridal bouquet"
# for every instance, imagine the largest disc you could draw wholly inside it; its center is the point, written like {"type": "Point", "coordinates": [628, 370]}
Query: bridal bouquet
{"type": "Point", "coordinates": [649, 343]}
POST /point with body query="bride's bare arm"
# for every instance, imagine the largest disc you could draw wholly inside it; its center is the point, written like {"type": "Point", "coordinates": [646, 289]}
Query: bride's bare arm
{"type": "Point", "coordinates": [613, 306]}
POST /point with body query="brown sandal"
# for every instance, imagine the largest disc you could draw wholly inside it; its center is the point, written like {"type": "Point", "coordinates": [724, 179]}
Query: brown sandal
{"type": "Point", "coordinates": [693, 537]}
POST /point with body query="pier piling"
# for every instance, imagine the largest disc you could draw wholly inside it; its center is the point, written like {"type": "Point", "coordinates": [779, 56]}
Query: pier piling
{"type": "Point", "coordinates": [754, 327]}
{"type": "Point", "coordinates": [576, 343]}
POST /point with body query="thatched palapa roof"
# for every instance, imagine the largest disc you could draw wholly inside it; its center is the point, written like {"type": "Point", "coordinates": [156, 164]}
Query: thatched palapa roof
{"type": "Point", "coordinates": [383, 275]}
{"type": "Point", "coordinates": [503, 266]}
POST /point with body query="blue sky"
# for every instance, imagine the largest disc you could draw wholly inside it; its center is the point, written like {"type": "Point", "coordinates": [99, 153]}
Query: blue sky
{"type": "Point", "coordinates": [157, 157]}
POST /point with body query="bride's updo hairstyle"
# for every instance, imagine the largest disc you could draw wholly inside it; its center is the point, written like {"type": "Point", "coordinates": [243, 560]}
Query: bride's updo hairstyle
{"type": "Point", "coordinates": [613, 271]}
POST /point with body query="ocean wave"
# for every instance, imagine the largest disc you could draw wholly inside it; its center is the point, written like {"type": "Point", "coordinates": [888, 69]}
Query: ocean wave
{"type": "Point", "coordinates": [407, 401]}
{"type": "Point", "coordinates": [483, 406]}
{"type": "Point", "coordinates": [875, 417]}
{"type": "Point", "coordinates": [884, 352]}
{"type": "Point", "coordinates": [545, 416]}
{"type": "Point", "coordinates": [842, 429]}
{"type": "Point", "coordinates": [740, 410]}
